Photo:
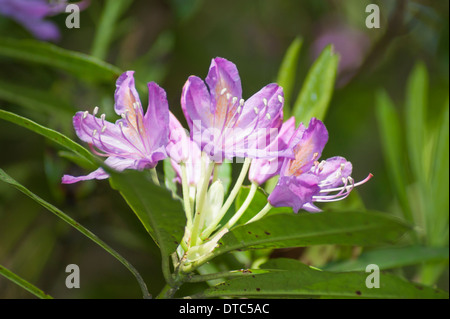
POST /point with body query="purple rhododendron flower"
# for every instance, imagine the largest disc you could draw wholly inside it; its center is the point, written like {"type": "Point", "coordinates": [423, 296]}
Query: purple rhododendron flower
{"type": "Point", "coordinates": [222, 123]}
{"type": "Point", "coordinates": [265, 168]}
{"type": "Point", "coordinates": [181, 149]}
{"type": "Point", "coordinates": [304, 180]}
{"type": "Point", "coordinates": [135, 141]}
{"type": "Point", "coordinates": [31, 14]}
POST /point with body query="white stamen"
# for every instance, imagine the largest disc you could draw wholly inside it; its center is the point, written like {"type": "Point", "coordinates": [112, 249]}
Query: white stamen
{"type": "Point", "coordinates": [103, 116]}
{"type": "Point", "coordinates": [85, 114]}
{"type": "Point", "coordinates": [265, 101]}
{"type": "Point", "coordinates": [342, 166]}
{"type": "Point", "coordinates": [223, 91]}
{"type": "Point", "coordinates": [123, 115]}
{"type": "Point", "coordinates": [256, 110]}
{"type": "Point", "coordinates": [280, 98]}
{"type": "Point", "coordinates": [234, 100]}
{"type": "Point", "coordinates": [268, 116]}
{"type": "Point", "coordinates": [104, 129]}
{"type": "Point", "coordinates": [94, 132]}
{"type": "Point", "coordinates": [321, 165]}
{"type": "Point", "coordinates": [241, 102]}
{"type": "Point", "coordinates": [228, 96]}
{"type": "Point", "coordinates": [95, 111]}
{"type": "Point", "coordinates": [315, 155]}
{"type": "Point", "coordinates": [239, 109]}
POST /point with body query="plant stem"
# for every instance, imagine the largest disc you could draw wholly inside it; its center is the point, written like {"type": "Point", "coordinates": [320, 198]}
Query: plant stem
{"type": "Point", "coordinates": [243, 208]}
{"type": "Point", "coordinates": [186, 199]}
{"type": "Point", "coordinates": [229, 200]}
{"type": "Point", "coordinates": [261, 214]}
{"type": "Point", "coordinates": [154, 175]}
{"type": "Point", "coordinates": [201, 196]}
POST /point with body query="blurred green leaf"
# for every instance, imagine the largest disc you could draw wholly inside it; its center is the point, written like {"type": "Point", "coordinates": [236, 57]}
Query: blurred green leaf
{"type": "Point", "coordinates": [8, 179]}
{"type": "Point", "coordinates": [224, 173]}
{"type": "Point", "coordinates": [81, 65]}
{"type": "Point", "coordinates": [439, 184]}
{"type": "Point", "coordinates": [388, 258]}
{"type": "Point", "coordinates": [304, 229]}
{"type": "Point", "coordinates": [23, 283]}
{"type": "Point", "coordinates": [35, 100]}
{"type": "Point", "coordinates": [287, 71]}
{"type": "Point", "coordinates": [317, 89]}
{"type": "Point", "coordinates": [162, 216]}
{"type": "Point", "coordinates": [169, 176]}
{"type": "Point", "coordinates": [416, 103]}
{"type": "Point", "coordinates": [393, 150]}
{"type": "Point", "coordinates": [50, 134]}
{"type": "Point", "coordinates": [289, 278]}
{"type": "Point", "coordinates": [106, 28]}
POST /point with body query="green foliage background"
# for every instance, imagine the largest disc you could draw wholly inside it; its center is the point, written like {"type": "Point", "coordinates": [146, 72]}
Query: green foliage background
{"type": "Point", "coordinates": [388, 116]}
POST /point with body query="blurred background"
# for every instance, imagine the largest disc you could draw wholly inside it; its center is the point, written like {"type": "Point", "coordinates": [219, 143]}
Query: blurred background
{"type": "Point", "coordinates": [166, 41]}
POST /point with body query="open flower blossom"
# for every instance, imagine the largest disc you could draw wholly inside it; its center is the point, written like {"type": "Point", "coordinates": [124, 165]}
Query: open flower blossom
{"type": "Point", "coordinates": [305, 180]}
{"type": "Point", "coordinates": [135, 141]}
{"type": "Point", "coordinates": [265, 168]}
{"type": "Point", "coordinates": [31, 14]}
{"type": "Point", "coordinates": [222, 123]}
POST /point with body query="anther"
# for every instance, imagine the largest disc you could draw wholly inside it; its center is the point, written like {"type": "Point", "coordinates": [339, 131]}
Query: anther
{"type": "Point", "coordinates": [268, 116]}
{"type": "Point", "coordinates": [94, 132]}
{"type": "Point", "coordinates": [223, 91]}
{"type": "Point", "coordinates": [95, 111]}
{"type": "Point", "coordinates": [103, 128]}
{"type": "Point", "coordinates": [241, 102]}
{"type": "Point", "coordinates": [85, 114]}
{"type": "Point", "coordinates": [280, 98]}
{"type": "Point", "coordinates": [228, 96]}
{"type": "Point", "coordinates": [234, 100]}
{"type": "Point", "coordinates": [256, 110]}
{"type": "Point", "coordinates": [265, 101]}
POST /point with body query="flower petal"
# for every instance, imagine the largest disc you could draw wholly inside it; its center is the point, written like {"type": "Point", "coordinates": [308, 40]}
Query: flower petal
{"type": "Point", "coordinates": [126, 97]}
{"type": "Point", "coordinates": [97, 174]}
{"type": "Point", "coordinates": [196, 104]}
{"type": "Point", "coordinates": [225, 88]}
{"type": "Point", "coordinates": [105, 136]}
{"type": "Point", "coordinates": [308, 150]}
{"type": "Point", "coordinates": [156, 119]}
{"type": "Point", "coordinates": [294, 191]}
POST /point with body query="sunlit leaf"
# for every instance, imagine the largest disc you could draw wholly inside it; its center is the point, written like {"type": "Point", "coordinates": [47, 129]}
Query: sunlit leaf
{"type": "Point", "coordinates": [317, 88]}
{"type": "Point", "coordinates": [292, 279]}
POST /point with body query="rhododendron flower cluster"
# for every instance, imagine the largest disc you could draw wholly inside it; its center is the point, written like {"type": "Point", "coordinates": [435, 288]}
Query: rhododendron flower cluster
{"type": "Point", "coordinates": [222, 125]}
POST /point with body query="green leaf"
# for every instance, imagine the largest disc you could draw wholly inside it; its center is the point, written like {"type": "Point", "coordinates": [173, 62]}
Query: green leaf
{"type": "Point", "coordinates": [81, 65]}
{"type": "Point", "coordinates": [50, 134]}
{"type": "Point", "coordinates": [35, 100]}
{"type": "Point", "coordinates": [161, 215]}
{"type": "Point", "coordinates": [439, 185]}
{"type": "Point", "coordinates": [393, 150]}
{"type": "Point", "coordinates": [8, 179]}
{"type": "Point", "coordinates": [23, 283]}
{"type": "Point", "coordinates": [392, 258]}
{"type": "Point", "coordinates": [304, 229]}
{"type": "Point", "coordinates": [416, 103]}
{"type": "Point", "coordinates": [286, 73]}
{"type": "Point", "coordinates": [106, 27]}
{"type": "Point", "coordinates": [317, 89]}
{"type": "Point", "coordinates": [292, 279]}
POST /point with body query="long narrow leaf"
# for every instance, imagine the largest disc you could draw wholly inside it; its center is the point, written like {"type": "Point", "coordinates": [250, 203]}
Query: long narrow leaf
{"type": "Point", "coordinates": [23, 283]}
{"type": "Point", "coordinates": [48, 133]}
{"type": "Point", "coordinates": [393, 150]}
{"type": "Point", "coordinates": [286, 73]}
{"type": "Point", "coordinates": [289, 278]}
{"type": "Point", "coordinates": [8, 179]}
{"type": "Point", "coordinates": [317, 89]}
